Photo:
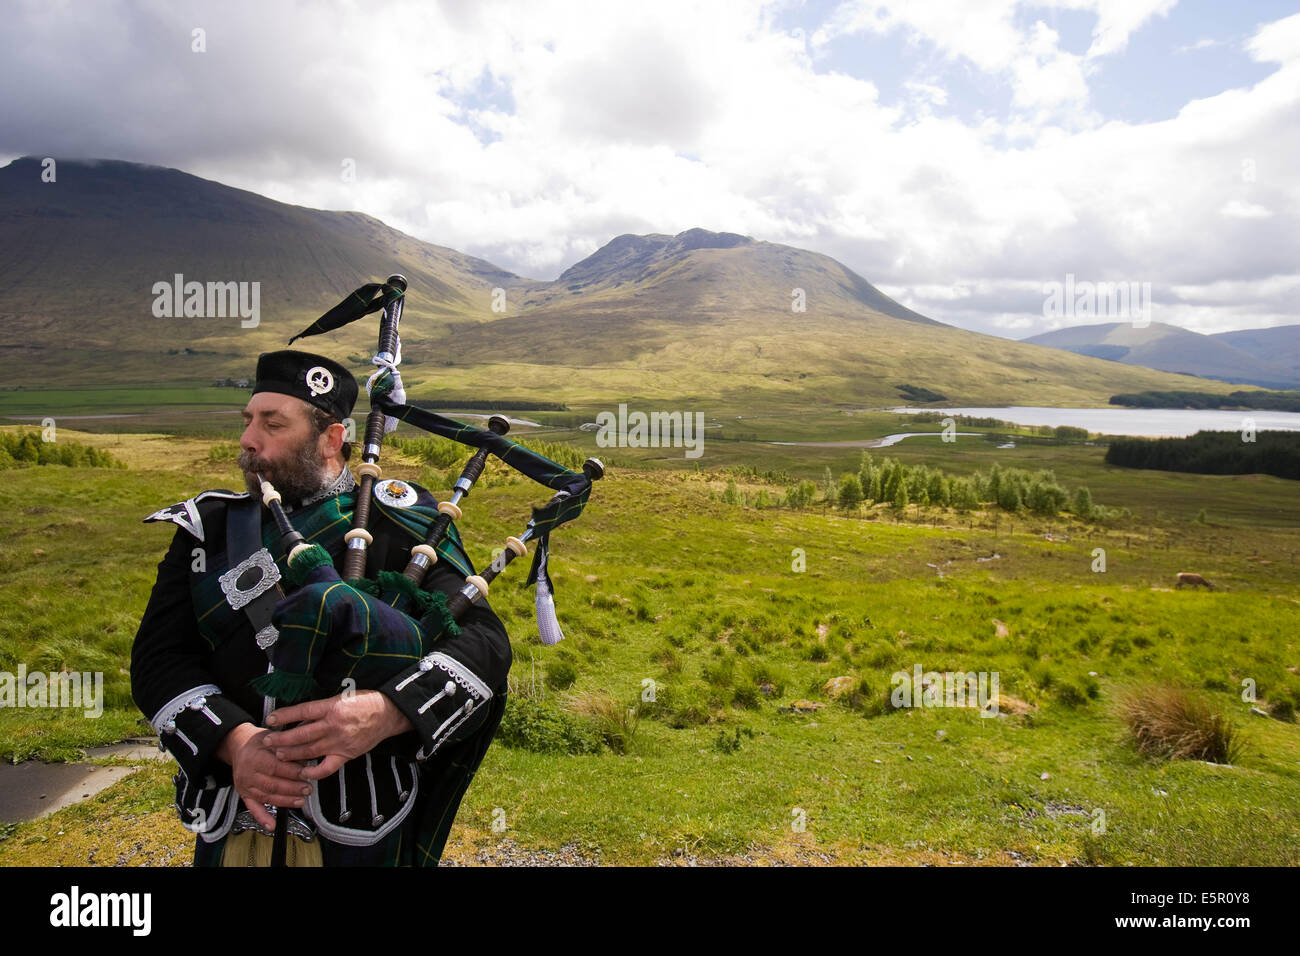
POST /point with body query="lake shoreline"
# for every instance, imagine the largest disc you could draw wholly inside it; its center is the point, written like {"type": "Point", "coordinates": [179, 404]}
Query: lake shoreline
{"type": "Point", "coordinates": [1127, 422]}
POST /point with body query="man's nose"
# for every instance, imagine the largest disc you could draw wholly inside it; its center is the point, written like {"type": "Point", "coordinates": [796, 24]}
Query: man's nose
{"type": "Point", "coordinates": [247, 441]}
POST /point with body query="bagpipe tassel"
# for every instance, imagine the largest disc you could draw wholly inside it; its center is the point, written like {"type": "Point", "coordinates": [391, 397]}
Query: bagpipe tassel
{"type": "Point", "coordinates": [548, 625]}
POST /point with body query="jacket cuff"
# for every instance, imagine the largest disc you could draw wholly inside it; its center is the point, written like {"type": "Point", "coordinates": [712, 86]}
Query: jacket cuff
{"type": "Point", "coordinates": [191, 727]}
{"type": "Point", "coordinates": [443, 699]}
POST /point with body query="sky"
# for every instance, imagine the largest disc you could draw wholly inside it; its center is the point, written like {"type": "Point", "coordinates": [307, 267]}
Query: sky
{"type": "Point", "coordinates": [961, 155]}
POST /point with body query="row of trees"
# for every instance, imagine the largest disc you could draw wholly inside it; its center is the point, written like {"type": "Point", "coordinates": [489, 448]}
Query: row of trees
{"type": "Point", "coordinates": [899, 485]}
{"type": "Point", "coordinates": [438, 452]}
{"type": "Point", "coordinates": [1277, 401]}
{"type": "Point", "coordinates": [1212, 453]}
{"type": "Point", "coordinates": [20, 450]}
{"type": "Point", "coordinates": [1059, 432]}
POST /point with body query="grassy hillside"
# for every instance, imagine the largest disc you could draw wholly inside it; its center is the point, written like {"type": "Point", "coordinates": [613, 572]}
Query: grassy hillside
{"type": "Point", "coordinates": [662, 580]}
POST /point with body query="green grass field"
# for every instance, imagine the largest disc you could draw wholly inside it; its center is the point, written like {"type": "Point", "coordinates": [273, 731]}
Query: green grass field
{"type": "Point", "coordinates": [735, 614]}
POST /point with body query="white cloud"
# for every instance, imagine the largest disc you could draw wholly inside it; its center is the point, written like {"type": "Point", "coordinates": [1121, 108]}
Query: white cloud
{"type": "Point", "coordinates": [1202, 44]}
{"type": "Point", "coordinates": [927, 92]}
{"type": "Point", "coordinates": [1277, 42]}
{"type": "Point", "coordinates": [1236, 209]}
{"type": "Point", "coordinates": [1117, 20]}
{"type": "Point", "coordinates": [662, 117]}
{"type": "Point", "coordinates": [986, 34]}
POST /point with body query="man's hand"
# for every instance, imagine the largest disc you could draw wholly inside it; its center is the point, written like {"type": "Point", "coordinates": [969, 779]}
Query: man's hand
{"type": "Point", "coordinates": [334, 730]}
{"type": "Point", "coordinates": [260, 776]}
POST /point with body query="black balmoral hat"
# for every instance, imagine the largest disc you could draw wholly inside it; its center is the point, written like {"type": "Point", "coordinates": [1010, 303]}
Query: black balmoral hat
{"type": "Point", "coordinates": [313, 378]}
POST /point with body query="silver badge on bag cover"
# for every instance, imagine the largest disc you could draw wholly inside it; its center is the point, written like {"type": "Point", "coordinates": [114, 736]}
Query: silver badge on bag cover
{"type": "Point", "coordinates": [397, 494]}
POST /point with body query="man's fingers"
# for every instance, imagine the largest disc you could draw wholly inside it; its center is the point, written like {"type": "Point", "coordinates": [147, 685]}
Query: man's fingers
{"type": "Point", "coordinates": [271, 765]}
{"type": "Point", "coordinates": [311, 751]}
{"type": "Point", "coordinates": [329, 765]}
{"type": "Point", "coordinates": [259, 812]}
{"type": "Point", "coordinates": [274, 781]}
{"type": "Point", "coordinates": [305, 733]}
{"type": "Point", "coordinates": [310, 710]}
{"type": "Point", "coordinates": [278, 791]}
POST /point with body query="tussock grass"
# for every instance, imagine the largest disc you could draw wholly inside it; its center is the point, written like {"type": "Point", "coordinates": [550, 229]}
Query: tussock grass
{"type": "Point", "coordinates": [615, 722]}
{"type": "Point", "coordinates": [1176, 723]}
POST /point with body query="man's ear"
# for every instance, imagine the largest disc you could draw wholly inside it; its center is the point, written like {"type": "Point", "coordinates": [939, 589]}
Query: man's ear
{"type": "Point", "coordinates": [332, 440]}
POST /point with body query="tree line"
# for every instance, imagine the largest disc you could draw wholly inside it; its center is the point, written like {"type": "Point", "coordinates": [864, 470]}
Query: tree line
{"type": "Point", "coordinates": [1212, 453]}
{"type": "Point", "coordinates": [24, 449]}
{"type": "Point", "coordinates": [899, 485]}
{"type": "Point", "coordinates": [1278, 401]}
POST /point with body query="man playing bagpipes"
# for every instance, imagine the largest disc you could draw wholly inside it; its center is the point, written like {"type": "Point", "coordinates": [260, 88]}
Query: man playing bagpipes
{"type": "Point", "coordinates": [325, 706]}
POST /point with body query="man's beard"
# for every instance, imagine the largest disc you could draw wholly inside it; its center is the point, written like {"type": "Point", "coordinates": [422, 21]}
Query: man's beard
{"type": "Point", "coordinates": [296, 479]}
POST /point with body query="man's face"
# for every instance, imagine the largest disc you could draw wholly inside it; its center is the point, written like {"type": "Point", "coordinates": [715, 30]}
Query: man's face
{"type": "Point", "coordinates": [278, 443]}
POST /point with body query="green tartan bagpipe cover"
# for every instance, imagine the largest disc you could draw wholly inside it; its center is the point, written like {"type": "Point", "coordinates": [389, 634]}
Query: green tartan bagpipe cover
{"type": "Point", "coordinates": [330, 629]}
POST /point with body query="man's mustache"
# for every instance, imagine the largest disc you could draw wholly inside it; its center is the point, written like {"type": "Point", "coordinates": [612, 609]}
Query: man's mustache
{"type": "Point", "coordinates": [249, 462]}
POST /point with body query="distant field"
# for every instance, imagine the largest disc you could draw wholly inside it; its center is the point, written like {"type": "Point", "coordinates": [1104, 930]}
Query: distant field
{"type": "Point", "coordinates": [99, 401]}
{"type": "Point", "coordinates": [661, 580]}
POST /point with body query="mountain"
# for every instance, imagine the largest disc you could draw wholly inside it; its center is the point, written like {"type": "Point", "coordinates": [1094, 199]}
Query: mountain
{"type": "Point", "coordinates": [700, 316]}
{"type": "Point", "coordinates": [720, 271]}
{"type": "Point", "coordinates": [1265, 357]}
{"type": "Point", "coordinates": [1278, 346]}
{"type": "Point", "coordinates": [80, 255]}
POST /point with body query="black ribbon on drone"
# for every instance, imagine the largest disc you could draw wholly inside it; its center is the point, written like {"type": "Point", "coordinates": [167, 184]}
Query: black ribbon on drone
{"type": "Point", "coordinates": [369, 298]}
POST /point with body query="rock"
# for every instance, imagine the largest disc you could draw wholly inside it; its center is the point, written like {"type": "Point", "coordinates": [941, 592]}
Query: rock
{"type": "Point", "coordinates": [802, 707]}
{"type": "Point", "coordinates": [1008, 704]}
{"type": "Point", "coordinates": [1259, 712]}
{"type": "Point", "coordinates": [941, 734]}
{"type": "Point", "coordinates": [767, 689]}
{"type": "Point", "coordinates": [838, 686]}
{"type": "Point", "coordinates": [1002, 629]}
{"type": "Point", "coordinates": [1045, 776]}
